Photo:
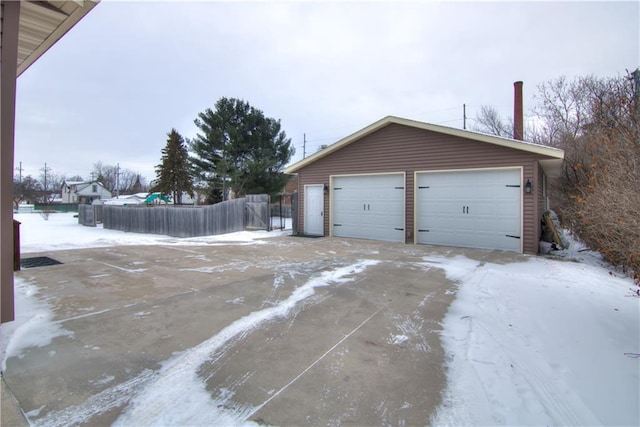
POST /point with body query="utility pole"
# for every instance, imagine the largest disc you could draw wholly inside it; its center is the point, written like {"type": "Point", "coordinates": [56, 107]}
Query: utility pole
{"type": "Point", "coordinates": [118, 181]}
{"type": "Point", "coordinates": [20, 173]}
{"type": "Point", "coordinates": [45, 178]}
{"type": "Point", "coordinates": [464, 116]}
{"type": "Point", "coordinates": [304, 145]}
{"type": "Point", "coordinates": [46, 196]}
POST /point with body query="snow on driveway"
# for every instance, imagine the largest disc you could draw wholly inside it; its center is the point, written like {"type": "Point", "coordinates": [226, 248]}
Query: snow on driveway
{"type": "Point", "coordinates": [538, 342]}
{"type": "Point", "coordinates": [154, 396]}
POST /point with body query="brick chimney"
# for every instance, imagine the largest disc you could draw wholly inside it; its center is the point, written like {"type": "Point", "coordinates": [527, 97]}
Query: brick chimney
{"type": "Point", "coordinates": [518, 112]}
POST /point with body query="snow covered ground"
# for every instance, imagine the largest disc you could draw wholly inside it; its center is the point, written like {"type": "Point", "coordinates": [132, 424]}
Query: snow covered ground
{"type": "Point", "coordinates": [544, 341]}
{"type": "Point", "coordinates": [541, 342]}
{"type": "Point", "coordinates": [61, 231]}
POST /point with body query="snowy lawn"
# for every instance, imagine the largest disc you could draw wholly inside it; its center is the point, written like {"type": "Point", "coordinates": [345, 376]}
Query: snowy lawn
{"type": "Point", "coordinates": [543, 341]}
{"type": "Point", "coordinates": [62, 231]}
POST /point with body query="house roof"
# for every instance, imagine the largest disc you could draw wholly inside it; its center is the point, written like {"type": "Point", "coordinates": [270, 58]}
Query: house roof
{"type": "Point", "coordinates": [43, 23]}
{"type": "Point", "coordinates": [551, 165]}
{"type": "Point", "coordinates": [87, 184]}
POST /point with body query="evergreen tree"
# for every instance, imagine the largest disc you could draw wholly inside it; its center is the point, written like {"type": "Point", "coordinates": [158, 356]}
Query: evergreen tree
{"type": "Point", "coordinates": [239, 149]}
{"type": "Point", "coordinates": [173, 174]}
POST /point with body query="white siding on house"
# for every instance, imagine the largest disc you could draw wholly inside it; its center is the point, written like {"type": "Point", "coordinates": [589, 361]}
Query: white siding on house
{"type": "Point", "coordinates": [83, 192]}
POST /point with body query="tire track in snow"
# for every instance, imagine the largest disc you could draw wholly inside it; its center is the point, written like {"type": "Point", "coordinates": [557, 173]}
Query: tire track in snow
{"type": "Point", "coordinates": [176, 395]}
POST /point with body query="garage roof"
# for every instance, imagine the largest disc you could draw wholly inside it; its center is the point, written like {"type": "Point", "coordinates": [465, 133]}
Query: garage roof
{"type": "Point", "coordinates": [43, 23]}
{"type": "Point", "coordinates": [551, 166]}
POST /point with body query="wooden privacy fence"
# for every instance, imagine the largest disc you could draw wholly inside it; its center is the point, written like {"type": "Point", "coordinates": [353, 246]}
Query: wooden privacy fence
{"type": "Point", "coordinates": [257, 212]}
{"type": "Point", "coordinates": [190, 221]}
{"type": "Point", "coordinates": [87, 215]}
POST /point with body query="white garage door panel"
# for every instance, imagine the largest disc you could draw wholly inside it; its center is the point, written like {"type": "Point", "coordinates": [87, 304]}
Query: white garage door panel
{"type": "Point", "coordinates": [478, 209]}
{"type": "Point", "coordinates": [369, 207]}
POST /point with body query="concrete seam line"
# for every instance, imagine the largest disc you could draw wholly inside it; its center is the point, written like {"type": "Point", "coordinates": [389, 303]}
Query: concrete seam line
{"type": "Point", "coordinates": [13, 399]}
{"type": "Point", "coordinates": [262, 405]}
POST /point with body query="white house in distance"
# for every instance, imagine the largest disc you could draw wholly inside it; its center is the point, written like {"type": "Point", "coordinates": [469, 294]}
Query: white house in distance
{"type": "Point", "coordinates": [83, 192]}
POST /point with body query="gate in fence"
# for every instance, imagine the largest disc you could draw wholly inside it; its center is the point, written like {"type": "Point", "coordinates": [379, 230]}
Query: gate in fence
{"type": "Point", "coordinates": [257, 212]}
{"type": "Point", "coordinates": [281, 211]}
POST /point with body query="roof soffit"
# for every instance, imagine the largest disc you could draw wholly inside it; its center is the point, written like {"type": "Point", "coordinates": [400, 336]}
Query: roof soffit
{"type": "Point", "coordinates": [43, 23]}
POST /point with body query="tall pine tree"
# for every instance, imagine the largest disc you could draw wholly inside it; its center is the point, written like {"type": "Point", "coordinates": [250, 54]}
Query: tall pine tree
{"type": "Point", "coordinates": [238, 148]}
{"type": "Point", "coordinates": [173, 174]}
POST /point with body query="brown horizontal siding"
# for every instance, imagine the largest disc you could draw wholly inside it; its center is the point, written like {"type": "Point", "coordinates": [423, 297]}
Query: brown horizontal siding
{"type": "Point", "coordinates": [397, 148]}
{"type": "Point", "coordinates": [529, 243]}
{"type": "Point", "coordinates": [541, 199]}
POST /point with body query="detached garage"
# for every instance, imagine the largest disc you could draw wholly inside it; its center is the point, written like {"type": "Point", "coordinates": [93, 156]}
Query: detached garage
{"type": "Point", "coordinates": [400, 180]}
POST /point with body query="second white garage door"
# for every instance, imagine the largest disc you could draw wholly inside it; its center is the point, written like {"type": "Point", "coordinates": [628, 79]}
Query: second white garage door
{"type": "Point", "coordinates": [368, 207]}
{"type": "Point", "coordinates": [476, 209]}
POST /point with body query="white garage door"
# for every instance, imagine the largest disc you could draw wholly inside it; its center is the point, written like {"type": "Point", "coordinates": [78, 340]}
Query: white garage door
{"type": "Point", "coordinates": [475, 209]}
{"type": "Point", "coordinates": [368, 207]}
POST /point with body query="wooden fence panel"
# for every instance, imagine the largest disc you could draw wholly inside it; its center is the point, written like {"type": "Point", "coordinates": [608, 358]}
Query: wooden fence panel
{"type": "Point", "coordinates": [86, 215]}
{"type": "Point", "coordinates": [177, 221]}
{"type": "Point", "coordinates": [257, 212]}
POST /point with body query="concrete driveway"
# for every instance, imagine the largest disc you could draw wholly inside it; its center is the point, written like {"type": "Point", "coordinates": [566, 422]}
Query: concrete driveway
{"type": "Point", "coordinates": [293, 331]}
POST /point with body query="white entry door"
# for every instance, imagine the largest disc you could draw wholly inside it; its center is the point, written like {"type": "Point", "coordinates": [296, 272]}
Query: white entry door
{"type": "Point", "coordinates": [368, 207]}
{"type": "Point", "coordinates": [314, 209]}
{"type": "Point", "coordinates": [474, 209]}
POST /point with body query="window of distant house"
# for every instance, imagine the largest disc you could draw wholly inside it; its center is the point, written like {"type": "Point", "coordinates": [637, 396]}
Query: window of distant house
{"type": "Point", "coordinates": [95, 188]}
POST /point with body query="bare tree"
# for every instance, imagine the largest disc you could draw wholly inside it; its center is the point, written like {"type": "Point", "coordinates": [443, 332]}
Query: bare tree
{"type": "Point", "coordinates": [563, 107]}
{"type": "Point", "coordinates": [27, 190]}
{"type": "Point", "coordinates": [51, 184]}
{"type": "Point", "coordinates": [488, 120]}
{"type": "Point", "coordinates": [113, 177]}
{"type": "Point", "coordinates": [595, 120]}
{"type": "Point", "coordinates": [105, 175]}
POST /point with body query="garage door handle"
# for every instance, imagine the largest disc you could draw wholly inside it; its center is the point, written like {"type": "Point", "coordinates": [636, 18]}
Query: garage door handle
{"type": "Point", "coordinates": [465, 209]}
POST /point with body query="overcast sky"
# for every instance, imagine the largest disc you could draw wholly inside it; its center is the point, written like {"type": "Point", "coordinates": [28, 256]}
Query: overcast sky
{"type": "Point", "coordinates": [113, 87]}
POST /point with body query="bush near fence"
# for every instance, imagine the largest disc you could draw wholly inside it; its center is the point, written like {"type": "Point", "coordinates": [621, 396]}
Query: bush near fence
{"type": "Point", "coordinates": [189, 221]}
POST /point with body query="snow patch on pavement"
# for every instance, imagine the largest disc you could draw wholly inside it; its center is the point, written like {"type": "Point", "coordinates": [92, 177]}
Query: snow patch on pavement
{"type": "Point", "coordinates": [178, 396]}
{"type": "Point", "coordinates": [539, 342]}
{"type": "Point", "coordinates": [33, 326]}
